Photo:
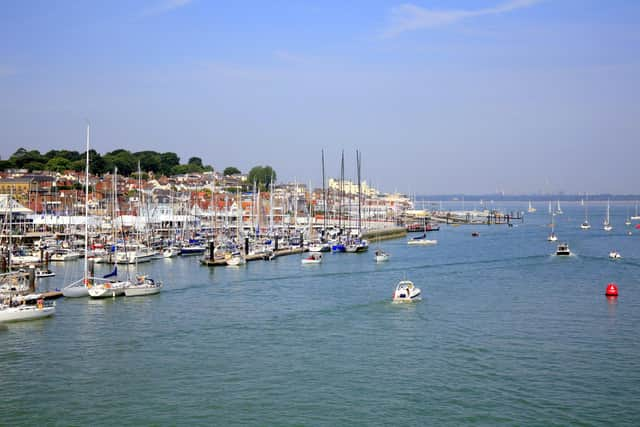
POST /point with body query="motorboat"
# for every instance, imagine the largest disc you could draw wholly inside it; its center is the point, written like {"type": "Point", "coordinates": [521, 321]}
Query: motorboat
{"type": "Point", "coordinates": [381, 256]}
{"type": "Point", "coordinates": [235, 259]}
{"type": "Point", "coordinates": [318, 246]}
{"type": "Point", "coordinates": [406, 291]}
{"type": "Point", "coordinates": [313, 258]}
{"type": "Point", "coordinates": [357, 246]}
{"type": "Point", "coordinates": [22, 312]}
{"type": "Point", "coordinates": [421, 240]}
{"type": "Point", "coordinates": [44, 273]}
{"type": "Point", "coordinates": [64, 255]}
{"type": "Point", "coordinates": [615, 255]}
{"type": "Point", "coordinates": [144, 286]}
{"type": "Point", "coordinates": [563, 250]}
{"type": "Point", "coordinates": [475, 234]}
{"type": "Point", "coordinates": [170, 252]}
{"type": "Point", "coordinates": [192, 249]}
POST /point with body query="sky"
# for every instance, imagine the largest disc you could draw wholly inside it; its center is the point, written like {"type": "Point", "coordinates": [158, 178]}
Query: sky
{"type": "Point", "coordinates": [441, 97]}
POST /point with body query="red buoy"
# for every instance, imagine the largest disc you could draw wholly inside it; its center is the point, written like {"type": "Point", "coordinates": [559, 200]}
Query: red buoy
{"type": "Point", "coordinates": [612, 290]}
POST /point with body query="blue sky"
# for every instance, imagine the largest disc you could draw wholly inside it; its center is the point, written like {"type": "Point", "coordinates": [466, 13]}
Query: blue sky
{"type": "Point", "coordinates": [440, 96]}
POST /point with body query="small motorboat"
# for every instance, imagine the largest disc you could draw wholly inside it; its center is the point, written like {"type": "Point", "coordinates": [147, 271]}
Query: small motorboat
{"type": "Point", "coordinates": [44, 273]}
{"type": "Point", "coordinates": [475, 234]}
{"type": "Point", "coordinates": [563, 250]}
{"type": "Point", "coordinates": [406, 291]}
{"type": "Point", "coordinates": [615, 255]}
{"type": "Point", "coordinates": [313, 258]}
{"type": "Point", "coordinates": [381, 256]}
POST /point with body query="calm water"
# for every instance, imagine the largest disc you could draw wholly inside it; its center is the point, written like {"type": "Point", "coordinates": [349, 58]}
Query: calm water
{"type": "Point", "coordinates": [506, 334]}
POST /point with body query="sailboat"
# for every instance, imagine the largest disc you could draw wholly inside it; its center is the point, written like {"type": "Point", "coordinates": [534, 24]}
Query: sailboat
{"type": "Point", "coordinates": [531, 209]}
{"type": "Point", "coordinates": [585, 225]}
{"type": "Point", "coordinates": [558, 209]}
{"type": "Point", "coordinates": [606, 226]}
{"type": "Point", "coordinates": [552, 237]}
{"type": "Point", "coordinates": [636, 216]}
{"type": "Point", "coordinates": [79, 288]}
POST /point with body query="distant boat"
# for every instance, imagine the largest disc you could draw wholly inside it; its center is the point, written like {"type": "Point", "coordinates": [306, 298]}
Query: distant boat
{"type": "Point", "coordinates": [381, 256]}
{"type": "Point", "coordinates": [563, 250]}
{"type": "Point", "coordinates": [421, 240]}
{"type": "Point", "coordinates": [636, 216]}
{"type": "Point", "coordinates": [615, 255]}
{"type": "Point", "coordinates": [558, 209]}
{"type": "Point", "coordinates": [585, 225]}
{"type": "Point", "coordinates": [531, 209]}
{"type": "Point", "coordinates": [606, 225]}
{"type": "Point", "coordinates": [406, 291]}
{"type": "Point", "coordinates": [313, 258]}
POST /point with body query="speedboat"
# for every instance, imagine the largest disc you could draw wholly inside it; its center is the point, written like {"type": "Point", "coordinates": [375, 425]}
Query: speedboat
{"type": "Point", "coordinates": [26, 312]}
{"type": "Point", "coordinates": [313, 258]}
{"type": "Point", "coordinates": [381, 256]}
{"type": "Point", "coordinates": [563, 250]}
{"type": "Point", "coordinates": [144, 286]}
{"type": "Point", "coordinates": [406, 291]}
{"type": "Point", "coordinates": [615, 255]}
{"type": "Point", "coordinates": [421, 240]}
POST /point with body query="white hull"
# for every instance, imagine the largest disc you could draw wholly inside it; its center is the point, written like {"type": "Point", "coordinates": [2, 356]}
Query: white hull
{"type": "Point", "coordinates": [142, 290]}
{"type": "Point", "coordinates": [422, 242]}
{"type": "Point", "coordinates": [381, 258]}
{"type": "Point", "coordinates": [75, 290]}
{"type": "Point", "coordinates": [25, 312]}
{"type": "Point", "coordinates": [235, 260]}
{"type": "Point", "coordinates": [107, 290]}
{"type": "Point", "coordinates": [406, 292]}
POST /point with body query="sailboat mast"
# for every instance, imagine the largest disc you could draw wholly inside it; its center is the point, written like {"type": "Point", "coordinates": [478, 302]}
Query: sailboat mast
{"type": "Point", "coordinates": [324, 199]}
{"type": "Point", "coordinates": [86, 212]}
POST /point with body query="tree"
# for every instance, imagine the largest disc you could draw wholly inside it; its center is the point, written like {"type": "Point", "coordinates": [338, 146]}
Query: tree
{"type": "Point", "coordinates": [231, 170]}
{"type": "Point", "coordinates": [168, 160]}
{"type": "Point", "coordinates": [262, 175]}
{"type": "Point", "coordinates": [58, 164]}
{"type": "Point", "coordinates": [195, 161]}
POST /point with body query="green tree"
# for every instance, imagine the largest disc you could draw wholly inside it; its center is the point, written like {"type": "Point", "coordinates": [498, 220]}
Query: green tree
{"type": "Point", "coordinates": [197, 161]}
{"type": "Point", "coordinates": [168, 161]}
{"type": "Point", "coordinates": [58, 164]}
{"type": "Point", "coordinates": [231, 170]}
{"type": "Point", "coordinates": [262, 175]}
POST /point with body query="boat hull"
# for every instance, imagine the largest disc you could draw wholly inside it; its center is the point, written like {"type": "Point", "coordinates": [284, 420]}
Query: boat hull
{"type": "Point", "coordinates": [25, 312]}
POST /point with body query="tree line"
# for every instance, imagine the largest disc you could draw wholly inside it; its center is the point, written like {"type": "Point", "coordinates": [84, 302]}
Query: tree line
{"type": "Point", "coordinates": [167, 164]}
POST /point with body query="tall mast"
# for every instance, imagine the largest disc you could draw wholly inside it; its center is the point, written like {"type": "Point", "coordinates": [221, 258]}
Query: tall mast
{"type": "Point", "coordinates": [324, 199]}
{"type": "Point", "coordinates": [86, 212]}
{"type": "Point", "coordinates": [358, 164]}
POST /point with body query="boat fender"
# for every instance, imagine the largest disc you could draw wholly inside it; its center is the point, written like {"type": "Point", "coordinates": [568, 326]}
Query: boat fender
{"type": "Point", "coordinates": [40, 304]}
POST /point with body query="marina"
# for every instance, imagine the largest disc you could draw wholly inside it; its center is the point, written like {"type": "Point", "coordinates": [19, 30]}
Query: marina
{"type": "Point", "coordinates": [494, 313]}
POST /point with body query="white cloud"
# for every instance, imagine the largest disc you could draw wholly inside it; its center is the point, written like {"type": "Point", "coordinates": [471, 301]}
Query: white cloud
{"type": "Point", "coordinates": [409, 17]}
{"type": "Point", "coordinates": [165, 6]}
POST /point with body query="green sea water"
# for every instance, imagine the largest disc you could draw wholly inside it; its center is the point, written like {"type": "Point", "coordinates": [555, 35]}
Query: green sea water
{"type": "Point", "coordinates": [506, 334]}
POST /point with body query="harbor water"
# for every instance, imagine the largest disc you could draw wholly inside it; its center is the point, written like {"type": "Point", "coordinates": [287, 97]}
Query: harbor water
{"type": "Point", "coordinates": [506, 334]}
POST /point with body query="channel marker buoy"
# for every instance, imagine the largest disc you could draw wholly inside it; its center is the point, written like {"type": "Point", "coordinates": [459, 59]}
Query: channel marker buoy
{"type": "Point", "coordinates": [612, 290]}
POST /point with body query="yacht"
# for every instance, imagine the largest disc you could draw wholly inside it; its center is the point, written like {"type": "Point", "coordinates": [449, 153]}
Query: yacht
{"type": "Point", "coordinates": [406, 291]}
{"type": "Point", "coordinates": [100, 288]}
{"type": "Point", "coordinates": [563, 250]}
